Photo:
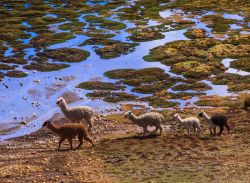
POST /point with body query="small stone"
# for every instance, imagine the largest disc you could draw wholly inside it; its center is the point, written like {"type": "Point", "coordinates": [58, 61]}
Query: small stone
{"type": "Point", "coordinates": [24, 122]}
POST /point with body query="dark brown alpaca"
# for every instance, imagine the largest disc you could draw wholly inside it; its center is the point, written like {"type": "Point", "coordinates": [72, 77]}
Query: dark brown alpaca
{"type": "Point", "coordinates": [69, 131]}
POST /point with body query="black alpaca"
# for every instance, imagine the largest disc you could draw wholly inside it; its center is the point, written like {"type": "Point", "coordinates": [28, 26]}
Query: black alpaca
{"type": "Point", "coordinates": [221, 121]}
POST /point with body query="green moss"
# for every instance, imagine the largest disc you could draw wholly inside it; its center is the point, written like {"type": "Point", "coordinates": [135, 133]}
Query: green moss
{"type": "Point", "coordinates": [215, 101]}
{"type": "Point", "coordinates": [241, 64]}
{"type": "Point", "coordinates": [45, 67]}
{"type": "Point", "coordinates": [145, 35]}
{"type": "Point", "coordinates": [111, 96]}
{"type": "Point", "coordinates": [194, 69]}
{"type": "Point", "coordinates": [75, 27]}
{"type": "Point", "coordinates": [152, 88]}
{"type": "Point", "coordinates": [16, 74]}
{"type": "Point", "coordinates": [99, 41]}
{"type": "Point", "coordinates": [156, 101]}
{"type": "Point", "coordinates": [238, 39]}
{"type": "Point", "coordinates": [195, 33]}
{"type": "Point", "coordinates": [97, 85]}
{"type": "Point", "coordinates": [115, 50]}
{"type": "Point", "coordinates": [230, 51]}
{"type": "Point", "coordinates": [217, 22]}
{"type": "Point", "coordinates": [66, 54]}
{"type": "Point", "coordinates": [187, 50]}
{"type": "Point", "coordinates": [7, 67]}
{"type": "Point", "coordinates": [107, 24]}
{"type": "Point", "coordinates": [198, 86]}
{"type": "Point", "coordinates": [47, 39]}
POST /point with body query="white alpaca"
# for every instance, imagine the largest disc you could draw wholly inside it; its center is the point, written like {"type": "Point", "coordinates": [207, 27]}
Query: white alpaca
{"type": "Point", "coordinates": [188, 123]}
{"type": "Point", "coordinates": [76, 114]}
{"type": "Point", "coordinates": [145, 120]}
{"type": "Point", "coordinates": [211, 125]}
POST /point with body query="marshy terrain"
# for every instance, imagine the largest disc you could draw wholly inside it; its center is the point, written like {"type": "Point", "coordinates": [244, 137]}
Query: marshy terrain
{"type": "Point", "coordinates": [115, 55]}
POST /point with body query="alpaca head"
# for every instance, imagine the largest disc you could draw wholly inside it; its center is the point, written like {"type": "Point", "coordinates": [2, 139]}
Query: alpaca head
{"type": "Point", "coordinates": [201, 114]}
{"type": "Point", "coordinates": [127, 114]}
{"type": "Point", "coordinates": [60, 101]}
{"type": "Point", "coordinates": [47, 123]}
{"type": "Point", "coordinates": [176, 116]}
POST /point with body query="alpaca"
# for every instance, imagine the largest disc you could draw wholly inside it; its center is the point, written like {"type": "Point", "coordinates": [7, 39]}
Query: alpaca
{"type": "Point", "coordinates": [188, 123]}
{"type": "Point", "coordinates": [76, 114]}
{"type": "Point", "coordinates": [145, 120]}
{"type": "Point", "coordinates": [69, 131]}
{"type": "Point", "coordinates": [216, 120]}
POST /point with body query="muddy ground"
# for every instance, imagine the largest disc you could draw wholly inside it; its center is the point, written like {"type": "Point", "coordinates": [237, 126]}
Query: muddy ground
{"type": "Point", "coordinates": [122, 155]}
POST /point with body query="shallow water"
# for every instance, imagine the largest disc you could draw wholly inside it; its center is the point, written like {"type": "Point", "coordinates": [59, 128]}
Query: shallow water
{"type": "Point", "coordinates": [35, 95]}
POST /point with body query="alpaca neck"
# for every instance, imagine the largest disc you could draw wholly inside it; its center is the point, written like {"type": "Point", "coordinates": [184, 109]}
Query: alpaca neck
{"type": "Point", "coordinates": [133, 118]}
{"type": "Point", "coordinates": [64, 108]}
{"type": "Point", "coordinates": [54, 128]}
{"type": "Point", "coordinates": [179, 119]}
{"type": "Point", "coordinates": [206, 117]}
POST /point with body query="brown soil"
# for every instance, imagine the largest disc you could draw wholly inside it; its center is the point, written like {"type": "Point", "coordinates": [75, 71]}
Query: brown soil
{"type": "Point", "coordinates": [166, 158]}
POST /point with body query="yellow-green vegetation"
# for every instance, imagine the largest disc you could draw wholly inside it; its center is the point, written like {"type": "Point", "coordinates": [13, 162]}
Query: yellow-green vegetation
{"type": "Point", "coordinates": [183, 50]}
{"type": "Point", "coordinates": [238, 39]}
{"type": "Point", "coordinates": [109, 96]}
{"type": "Point", "coordinates": [159, 101]}
{"type": "Point", "coordinates": [152, 88]}
{"type": "Point", "coordinates": [99, 41]}
{"type": "Point", "coordinates": [145, 35]}
{"type": "Point", "coordinates": [66, 54]}
{"type": "Point", "coordinates": [194, 69]}
{"type": "Point", "coordinates": [115, 50]}
{"type": "Point", "coordinates": [233, 6]}
{"type": "Point", "coordinates": [230, 51]}
{"type": "Point", "coordinates": [97, 85]}
{"type": "Point", "coordinates": [197, 86]}
{"type": "Point", "coordinates": [7, 67]}
{"type": "Point", "coordinates": [75, 27]}
{"type": "Point", "coordinates": [134, 77]}
{"type": "Point", "coordinates": [195, 33]}
{"type": "Point", "coordinates": [235, 82]}
{"type": "Point", "coordinates": [46, 39]}
{"type": "Point", "coordinates": [107, 24]}
{"type": "Point", "coordinates": [16, 74]}
{"type": "Point", "coordinates": [241, 64]}
{"type": "Point", "coordinates": [216, 101]}
{"type": "Point", "coordinates": [217, 22]}
{"type": "Point", "coordinates": [45, 67]}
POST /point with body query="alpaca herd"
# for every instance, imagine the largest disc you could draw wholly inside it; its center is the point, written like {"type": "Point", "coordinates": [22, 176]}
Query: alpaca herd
{"type": "Point", "coordinates": [77, 114]}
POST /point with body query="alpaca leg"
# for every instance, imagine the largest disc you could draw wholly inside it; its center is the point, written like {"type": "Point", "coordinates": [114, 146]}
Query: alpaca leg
{"type": "Point", "coordinates": [89, 121]}
{"type": "Point", "coordinates": [80, 138]}
{"type": "Point", "coordinates": [60, 142]}
{"type": "Point", "coordinates": [228, 128]}
{"type": "Point", "coordinates": [195, 130]}
{"type": "Point", "coordinates": [214, 130]}
{"type": "Point", "coordinates": [160, 129]}
{"type": "Point", "coordinates": [188, 131]}
{"type": "Point", "coordinates": [145, 130]}
{"type": "Point", "coordinates": [221, 130]}
{"type": "Point", "coordinates": [182, 130]}
{"type": "Point", "coordinates": [210, 129]}
{"type": "Point", "coordinates": [90, 140]}
{"type": "Point", "coordinates": [70, 142]}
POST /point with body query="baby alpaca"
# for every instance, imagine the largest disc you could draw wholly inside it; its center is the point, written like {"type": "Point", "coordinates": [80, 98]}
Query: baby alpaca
{"type": "Point", "coordinates": [216, 120]}
{"type": "Point", "coordinates": [69, 131]}
{"type": "Point", "coordinates": [188, 123]}
{"type": "Point", "coordinates": [145, 120]}
{"type": "Point", "coordinates": [76, 114]}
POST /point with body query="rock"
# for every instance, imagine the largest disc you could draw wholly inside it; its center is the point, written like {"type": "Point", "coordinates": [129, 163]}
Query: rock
{"type": "Point", "coordinates": [24, 122]}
